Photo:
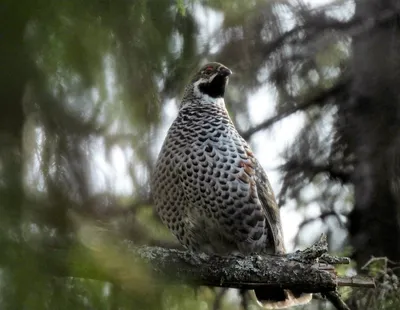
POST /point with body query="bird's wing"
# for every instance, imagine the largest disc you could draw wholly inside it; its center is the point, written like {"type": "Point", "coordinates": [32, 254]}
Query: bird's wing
{"type": "Point", "coordinates": [267, 199]}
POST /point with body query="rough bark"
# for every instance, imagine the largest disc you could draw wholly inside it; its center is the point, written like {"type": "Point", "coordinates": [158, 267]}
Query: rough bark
{"type": "Point", "coordinates": [307, 270]}
{"type": "Point", "coordinates": [310, 270]}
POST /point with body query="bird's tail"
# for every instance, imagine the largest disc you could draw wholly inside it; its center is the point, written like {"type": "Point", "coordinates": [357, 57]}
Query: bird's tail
{"type": "Point", "coordinates": [269, 298]}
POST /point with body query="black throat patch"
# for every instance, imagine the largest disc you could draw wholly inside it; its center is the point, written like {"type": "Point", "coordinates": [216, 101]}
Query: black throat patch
{"type": "Point", "coordinates": [216, 88]}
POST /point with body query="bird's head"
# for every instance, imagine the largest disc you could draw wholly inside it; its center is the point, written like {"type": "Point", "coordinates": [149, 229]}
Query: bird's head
{"type": "Point", "coordinates": [209, 82]}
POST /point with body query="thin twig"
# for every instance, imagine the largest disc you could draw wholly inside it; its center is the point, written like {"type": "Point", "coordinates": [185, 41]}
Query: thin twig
{"type": "Point", "coordinates": [335, 299]}
{"type": "Point", "coordinates": [356, 281]}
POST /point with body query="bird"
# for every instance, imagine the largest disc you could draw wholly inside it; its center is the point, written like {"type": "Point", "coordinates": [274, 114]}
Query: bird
{"type": "Point", "coordinates": [210, 190]}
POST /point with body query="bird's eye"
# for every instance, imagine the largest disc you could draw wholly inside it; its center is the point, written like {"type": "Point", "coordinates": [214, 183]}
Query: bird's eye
{"type": "Point", "coordinates": [209, 69]}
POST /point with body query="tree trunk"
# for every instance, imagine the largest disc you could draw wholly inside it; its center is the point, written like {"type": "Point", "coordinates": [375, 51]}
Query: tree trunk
{"type": "Point", "coordinates": [14, 74]}
{"type": "Point", "coordinates": [372, 130]}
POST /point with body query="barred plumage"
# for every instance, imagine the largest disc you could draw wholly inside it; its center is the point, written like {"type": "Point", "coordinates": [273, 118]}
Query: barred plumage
{"type": "Point", "coordinates": [209, 188]}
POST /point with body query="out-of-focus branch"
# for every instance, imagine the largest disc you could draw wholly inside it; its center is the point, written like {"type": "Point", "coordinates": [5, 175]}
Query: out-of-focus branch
{"type": "Point", "coordinates": [321, 217]}
{"type": "Point", "coordinates": [312, 169]}
{"type": "Point", "coordinates": [320, 99]}
{"type": "Point", "coordinates": [319, 24]}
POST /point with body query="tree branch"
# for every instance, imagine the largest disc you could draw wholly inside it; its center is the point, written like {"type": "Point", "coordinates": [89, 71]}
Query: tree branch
{"type": "Point", "coordinates": [293, 271]}
{"type": "Point", "coordinates": [319, 24]}
{"type": "Point", "coordinates": [317, 100]}
{"type": "Point", "coordinates": [310, 270]}
{"type": "Point", "coordinates": [335, 299]}
{"type": "Point", "coordinates": [353, 26]}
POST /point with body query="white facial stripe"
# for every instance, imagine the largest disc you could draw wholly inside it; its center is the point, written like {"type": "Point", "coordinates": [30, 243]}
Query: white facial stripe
{"type": "Point", "coordinates": [212, 77]}
{"type": "Point", "coordinates": [206, 99]}
{"type": "Point", "coordinates": [196, 89]}
{"type": "Point", "coordinates": [197, 83]}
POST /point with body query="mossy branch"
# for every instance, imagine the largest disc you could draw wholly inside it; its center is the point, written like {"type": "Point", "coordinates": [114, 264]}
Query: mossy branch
{"type": "Point", "coordinates": [310, 271]}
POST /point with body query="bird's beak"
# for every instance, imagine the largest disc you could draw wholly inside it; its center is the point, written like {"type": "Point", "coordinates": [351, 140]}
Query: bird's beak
{"type": "Point", "coordinates": [223, 71]}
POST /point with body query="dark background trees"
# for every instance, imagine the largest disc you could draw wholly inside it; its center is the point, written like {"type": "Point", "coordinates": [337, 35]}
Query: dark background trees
{"type": "Point", "coordinates": [89, 87]}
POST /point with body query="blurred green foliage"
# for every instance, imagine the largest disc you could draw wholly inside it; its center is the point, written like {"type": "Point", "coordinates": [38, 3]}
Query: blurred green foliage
{"type": "Point", "coordinates": [82, 80]}
{"type": "Point", "coordinates": [87, 91]}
